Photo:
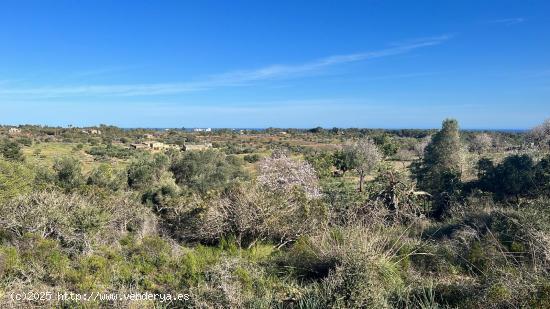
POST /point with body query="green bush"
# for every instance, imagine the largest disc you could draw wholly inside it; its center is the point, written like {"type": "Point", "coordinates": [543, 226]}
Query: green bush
{"type": "Point", "coordinates": [252, 158]}
{"type": "Point", "coordinates": [11, 151]}
{"type": "Point", "coordinates": [145, 170]}
{"type": "Point", "coordinates": [207, 170]}
{"type": "Point", "coordinates": [15, 179]}
{"type": "Point", "coordinates": [110, 151]}
{"type": "Point", "coordinates": [68, 173]}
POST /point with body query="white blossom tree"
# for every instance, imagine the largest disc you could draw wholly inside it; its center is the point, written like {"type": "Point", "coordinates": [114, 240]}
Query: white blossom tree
{"type": "Point", "coordinates": [481, 143]}
{"type": "Point", "coordinates": [283, 174]}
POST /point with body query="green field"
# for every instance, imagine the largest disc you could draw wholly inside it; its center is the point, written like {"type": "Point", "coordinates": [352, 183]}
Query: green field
{"type": "Point", "coordinates": [47, 152]}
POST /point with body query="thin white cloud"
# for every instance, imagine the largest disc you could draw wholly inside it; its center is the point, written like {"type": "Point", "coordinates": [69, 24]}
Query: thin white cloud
{"type": "Point", "coordinates": [236, 78]}
{"type": "Point", "coordinates": [508, 21]}
{"type": "Point", "coordinates": [401, 76]}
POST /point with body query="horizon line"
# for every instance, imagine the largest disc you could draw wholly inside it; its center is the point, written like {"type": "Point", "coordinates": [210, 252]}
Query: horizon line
{"type": "Point", "coordinates": [261, 128]}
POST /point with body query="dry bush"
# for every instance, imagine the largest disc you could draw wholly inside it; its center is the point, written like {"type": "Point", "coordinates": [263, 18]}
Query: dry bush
{"type": "Point", "coordinates": [540, 135]}
{"type": "Point", "coordinates": [248, 212]}
{"type": "Point", "coordinates": [78, 222]}
{"type": "Point", "coordinates": [503, 252]}
{"type": "Point", "coordinates": [229, 284]}
{"type": "Point", "coordinates": [392, 199]}
{"type": "Point", "coordinates": [357, 266]}
{"type": "Point", "coordinates": [405, 155]}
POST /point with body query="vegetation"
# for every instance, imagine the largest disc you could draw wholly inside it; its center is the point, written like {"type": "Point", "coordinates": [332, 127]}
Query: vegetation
{"type": "Point", "coordinates": [362, 156]}
{"type": "Point", "coordinates": [10, 150]}
{"type": "Point", "coordinates": [320, 218]}
{"type": "Point", "coordinates": [440, 170]}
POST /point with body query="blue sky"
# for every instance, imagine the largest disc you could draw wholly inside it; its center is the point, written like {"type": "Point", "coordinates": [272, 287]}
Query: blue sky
{"type": "Point", "coordinates": [383, 64]}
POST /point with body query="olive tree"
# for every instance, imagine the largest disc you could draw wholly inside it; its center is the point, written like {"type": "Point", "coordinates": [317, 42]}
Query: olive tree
{"type": "Point", "coordinates": [363, 156]}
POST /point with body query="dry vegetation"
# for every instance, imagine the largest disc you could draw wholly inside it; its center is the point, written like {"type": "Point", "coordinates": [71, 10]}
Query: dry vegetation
{"type": "Point", "coordinates": [278, 218]}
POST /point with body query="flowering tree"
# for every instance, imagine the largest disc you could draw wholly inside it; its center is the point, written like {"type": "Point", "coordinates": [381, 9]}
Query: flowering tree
{"type": "Point", "coordinates": [283, 174]}
{"type": "Point", "coordinates": [540, 135]}
{"type": "Point", "coordinates": [481, 143]}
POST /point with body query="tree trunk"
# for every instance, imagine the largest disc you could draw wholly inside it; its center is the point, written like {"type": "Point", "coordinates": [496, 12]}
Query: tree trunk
{"type": "Point", "coordinates": [361, 178]}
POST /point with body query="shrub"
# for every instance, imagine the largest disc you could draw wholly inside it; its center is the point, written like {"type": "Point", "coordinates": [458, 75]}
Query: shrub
{"type": "Point", "coordinates": [15, 179]}
{"type": "Point", "coordinates": [162, 195]}
{"type": "Point", "coordinates": [252, 158]}
{"type": "Point", "coordinates": [247, 212]}
{"type": "Point", "coordinates": [104, 176]}
{"type": "Point", "coordinates": [514, 177]}
{"type": "Point", "coordinates": [388, 146]}
{"type": "Point", "coordinates": [110, 151]}
{"type": "Point", "coordinates": [354, 264]}
{"type": "Point", "coordinates": [68, 173]}
{"type": "Point", "coordinates": [540, 135]}
{"type": "Point", "coordinates": [322, 163]}
{"type": "Point", "coordinates": [481, 143]}
{"type": "Point", "coordinates": [207, 170]}
{"type": "Point", "coordinates": [25, 141]}
{"type": "Point", "coordinates": [11, 151]}
{"type": "Point", "coordinates": [146, 170]}
{"type": "Point", "coordinates": [77, 222]}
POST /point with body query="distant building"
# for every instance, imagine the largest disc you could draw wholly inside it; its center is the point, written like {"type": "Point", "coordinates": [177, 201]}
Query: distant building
{"type": "Point", "coordinates": [14, 131]}
{"type": "Point", "coordinates": [92, 131]}
{"type": "Point", "coordinates": [199, 147]}
{"type": "Point", "coordinates": [202, 130]}
{"type": "Point", "coordinates": [139, 146]}
{"type": "Point", "coordinates": [153, 145]}
{"type": "Point", "coordinates": [148, 136]}
{"type": "Point", "coordinates": [158, 146]}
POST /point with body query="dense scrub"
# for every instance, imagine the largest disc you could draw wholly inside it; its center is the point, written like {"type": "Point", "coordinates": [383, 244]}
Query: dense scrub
{"type": "Point", "coordinates": [295, 227]}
